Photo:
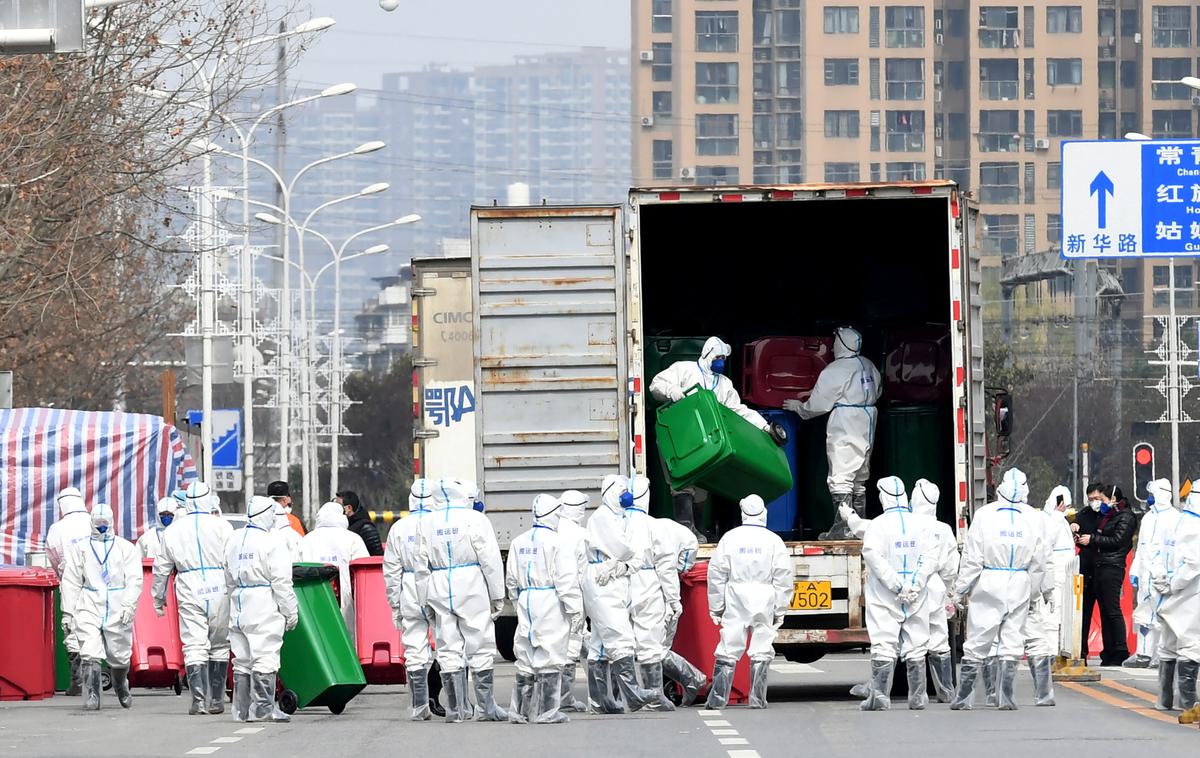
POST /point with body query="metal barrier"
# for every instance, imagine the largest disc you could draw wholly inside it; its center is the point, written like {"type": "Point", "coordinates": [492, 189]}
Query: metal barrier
{"type": "Point", "coordinates": [1070, 665]}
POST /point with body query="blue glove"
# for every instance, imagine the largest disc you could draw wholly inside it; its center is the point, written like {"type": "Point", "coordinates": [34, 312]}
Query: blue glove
{"type": "Point", "coordinates": [1133, 581]}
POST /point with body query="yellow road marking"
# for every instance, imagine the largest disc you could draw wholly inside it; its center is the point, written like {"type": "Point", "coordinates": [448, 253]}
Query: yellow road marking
{"type": "Point", "coordinates": [1117, 702]}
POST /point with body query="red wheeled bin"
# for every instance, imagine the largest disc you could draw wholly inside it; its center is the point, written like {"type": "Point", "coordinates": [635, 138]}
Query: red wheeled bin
{"type": "Point", "coordinates": [697, 637]}
{"type": "Point", "coordinates": [157, 659]}
{"type": "Point", "coordinates": [775, 369]}
{"type": "Point", "coordinates": [27, 633]}
{"type": "Point", "coordinates": [377, 640]}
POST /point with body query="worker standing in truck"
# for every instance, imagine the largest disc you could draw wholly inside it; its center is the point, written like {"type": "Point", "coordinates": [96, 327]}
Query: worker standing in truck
{"type": "Point", "coordinates": [670, 386]}
{"type": "Point", "coordinates": [847, 389]}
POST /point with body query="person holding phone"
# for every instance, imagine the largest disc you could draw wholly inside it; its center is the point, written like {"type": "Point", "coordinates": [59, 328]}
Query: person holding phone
{"type": "Point", "coordinates": [1104, 535]}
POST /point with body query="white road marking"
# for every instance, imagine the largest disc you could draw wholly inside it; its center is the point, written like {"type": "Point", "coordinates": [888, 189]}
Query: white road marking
{"type": "Point", "coordinates": [724, 732]}
{"type": "Point", "coordinates": [202, 751]}
{"type": "Point", "coordinates": [250, 730]}
{"type": "Point", "coordinates": [795, 668]}
{"type": "Point", "coordinates": [733, 741]}
{"type": "Point", "coordinates": [226, 740]}
{"type": "Point", "coordinates": [709, 713]}
{"type": "Point", "coordinates": [743, 754]}
{"type": "Point", "coordinates": [717, 722]}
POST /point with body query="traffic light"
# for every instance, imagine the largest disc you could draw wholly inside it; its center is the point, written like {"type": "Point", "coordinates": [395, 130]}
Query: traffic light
{"type": "Point", "coordinates": [1143, 470]}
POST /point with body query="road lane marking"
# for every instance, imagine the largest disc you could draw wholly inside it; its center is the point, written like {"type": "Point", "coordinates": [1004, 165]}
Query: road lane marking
{"type": "Point", "coordinates": [1117, 702]}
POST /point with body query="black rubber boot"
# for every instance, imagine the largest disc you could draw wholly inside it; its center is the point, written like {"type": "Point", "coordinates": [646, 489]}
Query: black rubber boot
{"type": "Point", "coordinates": [120, 684]}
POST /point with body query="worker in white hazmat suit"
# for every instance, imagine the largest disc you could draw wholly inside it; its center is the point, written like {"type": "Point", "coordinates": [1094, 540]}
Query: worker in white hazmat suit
{"type": "Point", "coordinates": [284, 532]}
{"type": "Point", "coordinates": [1003, 565]}
{"type": "Point", "coordinates": [101, 585]}
{"type": "Point", "coordinates": [573, 537]}
{"type": "Point", "coordinates": [670, 386]}
{"type": "Point", "coordinates": [900, 555]}
{"type": "Point", "coordinates": [1176, 579]}
{"type": "Point", "coordinates": [607, 592]}
{"type": "Point", "coordinates": [653, 592]}
{"type": "Point", "coordinates": [1157, 524]}
{"type": "Point", "coordinates": [466, 592]}
{"type": "Point", "coordinates": [679, 541]}
{"type": "Point", "coordinates": [749, 589]}
{"type": "Point", "coordinates": [333, 543]}
{"type": "Point", "coordinates": [70, 529]}
{"type": "Point", "coordinates": [847, 389]}
{"type": "Point", "coordinates": [164, 515]}
{"type": "Point", "coordinates": [542, 578]}
{"type": "Point", "coordinates": [194, 549]}
{"type": "Point", "coordinates": [263, 605]}
{"type": "Point", "coordinates": [944, 547]}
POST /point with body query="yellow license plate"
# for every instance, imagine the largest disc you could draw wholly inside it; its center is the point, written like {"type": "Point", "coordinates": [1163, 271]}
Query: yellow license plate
{"type": "Point", "coordinates": [812, 596]}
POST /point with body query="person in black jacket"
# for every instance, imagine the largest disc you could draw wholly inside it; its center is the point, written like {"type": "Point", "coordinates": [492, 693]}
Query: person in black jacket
{"type": "Point", "coordinates": [360, 522]}
{"type": "Point", "coordinates": [1104, 533]}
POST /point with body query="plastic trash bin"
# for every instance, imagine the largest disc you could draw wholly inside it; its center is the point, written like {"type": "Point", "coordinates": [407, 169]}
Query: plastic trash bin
{"type": "Point", "coordinates": [317, 663]}
{"type": "Point", "coordinates": [380, 652]}
{"type": "Point", "coordinates": [817, 513]}
{"type": "Point", "coordinates": [696, 637]}
{"type": "Point", "coordinates": [157, 659]}
{"type": "Point", "coordinates": [706, 444]}
{"type": "Point", "coordinates": [660, 352]}
{"type": "Point", "coordinates": [775, 369]}
{"type": "Point", "coordinates": [915, 442]}
{"type": "Point", "coordinates": [782, 511]}
{"type": "Point", "coordinates": [27, 633]}
{"type": "Point", "coordinates": [62, 661]}
{"type": "Point", "coordinates": [917, 367]}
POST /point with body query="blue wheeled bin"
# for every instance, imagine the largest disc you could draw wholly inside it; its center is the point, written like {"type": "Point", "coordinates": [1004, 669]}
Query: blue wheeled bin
{"type": "Point", "coordinates": [783, 512]}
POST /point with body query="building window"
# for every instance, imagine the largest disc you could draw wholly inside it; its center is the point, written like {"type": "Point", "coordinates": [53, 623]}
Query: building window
{"type": "Point", "coordinates": [789, 129]}
{"type": "Point", "coordinates": [1054, 228]}
{"type": "Point", "coordinates": [999, 79]}
{"type": "Point", "coordinates": [905, 78]}
{"type": "Point", "coordinates": [1000, 183]}
{"type": "Point", "coordinates": [904, 26]}
{"type": "Point", "coordinates": [789, 79]}
{"type": "Point", "coordinates": [716, 83]}
{"type": "Point", "coordinates": [839, 20]}
{"type": "Point", "coordinates": [1172, 26]}
{"type": "Point", "coordinates": [660, 20]}
{"type": "Point", "coordinates": [841, 172]}
{"type": "Point", "coordinates": [764, 134]}
{"type": "Point", "coordinates": [905, 131]}
{"type": "Point", "coordinates": [1000, 234]}
{"type": "Point", "coordinates": [716, 134]}
{"type": "Point", "coordinates": [790, 28]}
{"type": "Point", "coordinates": [1129, 122]}
{"type": "Point", "coordinates": [663, 157]}
{"type": "Point", "coordinates": [905, 172]}
{"type": "Point", "coordinates": [999, 26]}
{"type": "Point", "coordinates": [1064, 123]}
{"type": "Point", "coordinates": [1183, 277]}
{"type": "Point", "coordinates": [999, 131]}
{"type": "Point", "coordinates": [841, 124]}
{"type": "Point", "coordinates": [1171, 124]}
{"type": "Point", "coordinates": [662, 103]}
{"type": "Point", "coordinates": [1064, 72]}
{"type": "Point", "coordinates": [708, 176]}
{"type": "Point", "coordinates": [763, 79]}
{"type": "Point", "coordinates": [841, 71]}
{"type": "Point", "coordinates": [716, 31]}
{"type": "Point", "coordinates": [956, 72]}
{"type": "Point", "coordinates": [1129, 23]}
{"type": "Point", "coordinates": [1162, 276]}
{"type": "Point", "coordinates": [1064, 19]}
{"type": "Point", "coordinates": [1054, 176]}
{"type": "Point", "coordinates": [1108, 125]}
{"type": "Point", "coordinates": [661, 67]}
{"type": "Point", "coordinates": [956, 125]}
{"type": "Point", "coordinates": [1170, 69]}
{"type": "Point", "coordinates": [1129, 74]}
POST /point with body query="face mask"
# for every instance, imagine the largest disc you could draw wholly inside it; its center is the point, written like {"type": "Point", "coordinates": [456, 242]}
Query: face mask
{"type": "Point", "coordinates": [718, 366]}
{"type": "Point", "coordinates": [627, 500]}
{"type": "Point", "coordinates": [479, 506]}
{"type": "Point", "coordinates": [1150, 499]}
{"type": "Point", "coordinates": [1094, 504]}
{"type": "Point", "coordinates": [166, 519]}
{"type": "Point", "coordinates": [102, 529]}
{"type": "Point", "coordinates": [1105, 508]}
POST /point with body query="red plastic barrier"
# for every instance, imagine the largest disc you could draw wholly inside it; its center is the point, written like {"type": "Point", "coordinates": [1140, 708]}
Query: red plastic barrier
{"type": "Point", "coordinates": [697, 637]}
{"type": "Point", "coordinates": [27, 633]}
{"type": "Point", "coordinates": [376, 637]}
{"type": "Point", "coordinates": [157, 647]}
{"type": "Point", "coordinates": [775, 369]}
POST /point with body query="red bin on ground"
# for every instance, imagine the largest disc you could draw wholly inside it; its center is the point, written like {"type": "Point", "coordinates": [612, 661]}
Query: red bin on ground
{"type": "Point", "coordinates": [376, 637]}
{"type": "Point", "coordinates": [775, 369]}
{"type": "Point", "coordinates": [696, 637]}
{"type": "Point", "coordinates": [157, 659]}
{"type": "Point", "coordinates": [27, 633]}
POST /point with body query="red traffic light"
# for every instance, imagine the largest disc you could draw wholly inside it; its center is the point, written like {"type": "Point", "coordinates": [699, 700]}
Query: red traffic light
{"type": "Point", "coordinates": [1144, 456]}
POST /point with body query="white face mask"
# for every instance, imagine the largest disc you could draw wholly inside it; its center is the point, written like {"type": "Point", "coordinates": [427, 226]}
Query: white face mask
{"type": "Point", "coordinates": [1095, 504]}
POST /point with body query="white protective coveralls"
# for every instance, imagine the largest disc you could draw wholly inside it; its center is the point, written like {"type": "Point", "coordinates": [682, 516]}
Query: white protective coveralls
{"type": "Point", "coordinates": [900, 555]}
{"type": "Point", "coordinates": [653, 590]}
{"type": "Point", "coordinates": [542, 579]}
{"type": "Point", "coordinates": [101, 585]}
{"type": "Point", "coordinates": [749, 589]}
{"type": "Point", "coordinates": [72, 528]}
{"type": "Point", "coordinates": [333, 543]}
{"type": "Point", "coordinates": [678, 540]}
{"type": "Point", "coordinates": [164, 516]}
{"type": "Point", "coordinates": [194, 549]}
{"type": "Point", "coordinates": [263, 605]}
{"type": "Point", "coordinates": [573, 537]}
{"type": "Point", "coordinates": [402, 557]}
{"type": "Point", "coordinates": [1157, 524]}
{"type": "Point", "coordinates": [944, 551]}
{"type": "Point", "coordinates": [1003, 566]}
{"type": "Point", "coordinates": [461, 562]}
{"type": "Point", "coordinates": [847, 389]}
{"type": "Point", "coordinates": [284, 531]}
{"type": "Point", "coordinates": [1177, 581]}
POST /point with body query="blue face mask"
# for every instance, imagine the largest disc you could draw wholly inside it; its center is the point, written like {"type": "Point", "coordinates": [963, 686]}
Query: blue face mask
{"type": "Point", "coordinates": [718, 366]}
{"type": "Point", "coordinates": [1105, 509]}
{"type": "Point", "coordinates": [479, 506]}
{"type": "Point", "coordinates": [102, 529]}
{"type": "Point", "coordinates": [166, 519]}
{"type": "Point", "coordinates": [1150, 499]}
{"type": "Point", "coordinates": [627, 500]}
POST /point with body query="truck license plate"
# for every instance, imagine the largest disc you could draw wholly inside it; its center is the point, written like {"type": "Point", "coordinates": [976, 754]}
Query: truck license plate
{"type": "Point", "coordinates": [812, 596]}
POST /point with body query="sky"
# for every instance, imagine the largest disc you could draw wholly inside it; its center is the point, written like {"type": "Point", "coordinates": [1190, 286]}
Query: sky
{"type": "Point", "coordinates": [368, 41]}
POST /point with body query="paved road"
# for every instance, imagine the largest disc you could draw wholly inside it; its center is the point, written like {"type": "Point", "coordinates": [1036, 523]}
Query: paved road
{"type": "Point", "coordinates": [811, 714]}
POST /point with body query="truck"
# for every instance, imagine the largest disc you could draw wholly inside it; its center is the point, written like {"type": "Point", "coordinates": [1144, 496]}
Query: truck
{"type": "Point", "coordinates": [568, 305]}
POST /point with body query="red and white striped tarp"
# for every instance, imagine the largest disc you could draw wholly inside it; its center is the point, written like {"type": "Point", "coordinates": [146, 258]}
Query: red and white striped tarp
{"type": "Point", "coordinates": [128, 460]}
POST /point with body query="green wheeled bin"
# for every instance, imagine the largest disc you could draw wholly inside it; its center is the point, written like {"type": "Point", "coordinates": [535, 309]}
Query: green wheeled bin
{"type": "Point", "coordinates": [914, 442]}
{"type": "Point", "coordinates": [662, 351]}
{"type": "Point", "coordinates": [62, 663]}
{"type": "Point", "coordinates": [706, 444]}
{"type": "Point", "coordinates": [318, 663]}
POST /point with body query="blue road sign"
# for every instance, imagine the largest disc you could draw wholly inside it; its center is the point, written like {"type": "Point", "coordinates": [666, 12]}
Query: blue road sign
{"type": "Point", "coordinates": [226, 436]}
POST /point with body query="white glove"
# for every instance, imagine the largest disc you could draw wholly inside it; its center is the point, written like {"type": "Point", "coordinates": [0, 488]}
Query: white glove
{"type": "Point", "coordinates": [959, 603]}
{"type": "Point", "coordinates": [160, 610]}
{"type": "Point", "coordinates": [716, 617]}
{"type": "Point", "coordinates": [397, 618]}
{"type": "Point", "coordinates": [578, 623]}
{"type": "Point", "coordinates": [792, 405]}
{"type": "Point", "coordinates": [951, 609]}
{"type": "Point", "coordinates": [1163, 585]}
{"type": "Point", "coordinates": [909, 597]}
{"type": "Point", "coordinates": [612, 570]}
{"type": "Point", "coordinates": [674, 611]}
{"type": "Point", "coordinates": [68, 625]}
{"type": "Point", "coordinates": [126, 617]}
{"type": "Point", "coordinates": [675, 394]}
{"type": "Point", "coordinates": [778, 619]}
{"type": "Point", "coordinates": [845, 512]}
{"type": "Point", "coordinates": [497, 608]}
{"type": "Point", "coordinates": [290, 623]}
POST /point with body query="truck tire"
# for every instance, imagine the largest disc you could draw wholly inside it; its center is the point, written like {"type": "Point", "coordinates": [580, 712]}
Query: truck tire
{"type": "Point", "coordinates": [506, 629]}
{"type": "Point", "coordinates": [804, 653]}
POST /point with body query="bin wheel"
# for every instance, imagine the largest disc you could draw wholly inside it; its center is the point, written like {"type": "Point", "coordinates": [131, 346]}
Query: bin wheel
{"type": "Point", "coordinates": [178, 686]}
{"type": "Point", "coordinates": [674, 693]}
{"type": "Point", "coordinates": [288, 702]}
{"type": "Point", "coordinates": [105, 680]}
{"type": "Point", "coordinates": [337, 710]}
{"type": "Point", "coordinates": [506, 629]}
